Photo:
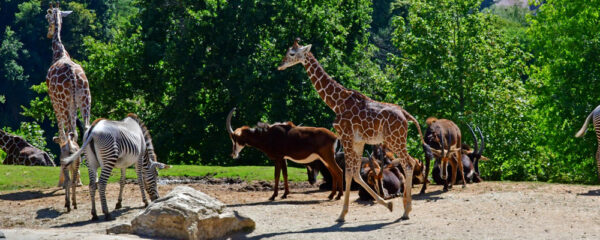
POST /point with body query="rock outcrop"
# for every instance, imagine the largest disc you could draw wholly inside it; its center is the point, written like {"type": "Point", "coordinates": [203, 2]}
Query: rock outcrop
{"type": "Point", "coordinates": [186, 213]}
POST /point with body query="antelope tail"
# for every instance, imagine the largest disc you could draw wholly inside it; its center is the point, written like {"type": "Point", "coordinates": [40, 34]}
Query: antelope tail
{"type": "Point", "coordinates": [585, 124]}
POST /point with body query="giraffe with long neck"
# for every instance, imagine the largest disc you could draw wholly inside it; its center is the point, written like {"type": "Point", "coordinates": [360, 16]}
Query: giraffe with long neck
{"type": "Point", "coordinates": [68, 87]}
{"type": "Point", "coordinates": [20, 152]}
{"type": "Point", "coordinates": [359, 121]}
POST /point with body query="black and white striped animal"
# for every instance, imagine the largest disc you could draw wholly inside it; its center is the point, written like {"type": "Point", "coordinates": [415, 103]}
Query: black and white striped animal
{"type": "Point", "coordinates": [118, 144]}
{"type": "Point", "coordinates": [596, 117]}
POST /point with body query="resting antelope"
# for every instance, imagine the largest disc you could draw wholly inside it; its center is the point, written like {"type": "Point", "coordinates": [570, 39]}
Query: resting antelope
{"type": "Point", "coordinates": [470, 160]}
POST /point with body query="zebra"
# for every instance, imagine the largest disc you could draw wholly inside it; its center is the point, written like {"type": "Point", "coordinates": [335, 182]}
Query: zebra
{"type": "Point", "coordinates": [596, 117]}
{"type": "Point", "coordinates": [109, 144]}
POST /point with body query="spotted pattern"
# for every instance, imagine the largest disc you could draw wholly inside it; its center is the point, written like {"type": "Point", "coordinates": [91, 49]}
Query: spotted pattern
{"type": "Point", "coordinates": [359, 121]}
{"type": "Point", "coordinates": [20, 152]}
{"type": "Point", "coordinates": [68, 88]}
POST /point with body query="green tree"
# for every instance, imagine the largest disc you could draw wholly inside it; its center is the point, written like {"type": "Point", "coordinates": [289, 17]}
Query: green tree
{"type": "Point", "coordinates": [565, 38]}
{"type": "Point", "coordinates": [455, 64]}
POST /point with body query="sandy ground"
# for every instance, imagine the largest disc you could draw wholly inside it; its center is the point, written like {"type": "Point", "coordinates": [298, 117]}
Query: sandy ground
{"type": "Point", "coordinates": [489, 210]}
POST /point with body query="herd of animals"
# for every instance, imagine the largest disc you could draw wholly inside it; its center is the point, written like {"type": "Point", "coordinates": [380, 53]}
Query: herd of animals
{"type": "Point", "coordinates": [389, 171]}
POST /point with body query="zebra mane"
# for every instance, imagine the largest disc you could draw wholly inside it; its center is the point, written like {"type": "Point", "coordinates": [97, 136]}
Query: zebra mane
{"type": "Point", "coordinates": [147, 137]}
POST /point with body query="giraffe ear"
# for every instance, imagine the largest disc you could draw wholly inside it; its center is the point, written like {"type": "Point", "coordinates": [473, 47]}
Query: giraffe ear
{"type": "Point", "coordinates": [56, 140]}
{"type": "Point", "coordinates": [306, 48]}
{"type": "Point", "coordinates": [65, 13]}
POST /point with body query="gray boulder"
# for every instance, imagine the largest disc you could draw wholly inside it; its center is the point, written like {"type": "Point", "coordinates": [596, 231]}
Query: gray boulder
{"type": "Point", "coordinates": [185, 213]}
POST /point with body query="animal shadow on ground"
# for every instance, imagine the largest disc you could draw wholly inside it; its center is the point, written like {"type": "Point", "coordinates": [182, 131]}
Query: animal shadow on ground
{"type": "Point", "coordinates": [338, 227]}
{"type": "Point", "coordinates": [429, 196]}
{"type": "Point", "coordinates": [590, 193]}
{"type": "Point", "coordinates": [28, 195]}
{"type": "Point", "coordinates": [116, 213]}
{"type": "Point", "coordinates": [47, 213]}
{"type": "Point", "coordinates": [279, 202]}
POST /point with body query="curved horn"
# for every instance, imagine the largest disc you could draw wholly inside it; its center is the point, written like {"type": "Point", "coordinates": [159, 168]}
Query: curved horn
{"type": "Point", "coordinates": [482, 141]}
{"type": "Point", "coordinates": [475, 147]}
{"type": "Point", "coordinates": [228, 123]}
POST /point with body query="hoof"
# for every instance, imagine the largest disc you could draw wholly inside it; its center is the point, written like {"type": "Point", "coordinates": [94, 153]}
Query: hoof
{"type": "Point", "coordinates": [108, 217]}
{"type": "Point", "coordinates": [390, 206]}
{"type": "Point", "coordinates": [338, 197]}
{"type": "Point", "coordinates": [464, 185]}
{"type": "Point", "coordinates": [331, 196]}
{"type": "Point", "coordinates": [94, 217]}
{"type": "Point", "coordinates": [118, 206]}
{"type": "Point", "coordinates": [404, 217]}
{"type": "Point", "coordinates": [145, 204]}
{"type": "Point", "coordinates": [284, 196]}
{"type": "Point", "coordinates": [340, 220]}
{"type": "Point", "coordinates": [74, 206]}
{"type": "Point", "coordinates": [68, 209]}
{"type": "Point", "coordinates": [272, 198]}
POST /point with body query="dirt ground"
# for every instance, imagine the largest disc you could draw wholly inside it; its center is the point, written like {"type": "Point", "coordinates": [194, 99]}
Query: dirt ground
{"type": "Point", "coordinates": [489, 210]}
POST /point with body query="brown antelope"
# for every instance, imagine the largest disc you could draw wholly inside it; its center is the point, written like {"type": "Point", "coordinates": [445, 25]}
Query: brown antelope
{"type": "Point", "coordinates": [442, 133]}
{"type": "Point", "coordinates": [286, 141]}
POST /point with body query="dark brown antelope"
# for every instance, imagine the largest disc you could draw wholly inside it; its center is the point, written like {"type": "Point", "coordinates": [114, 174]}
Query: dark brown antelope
{"type": "Point", "coordinates": [470, 160]}
{"type": "Point", "coordinates": [286, 141]}
{"type": "Point", "coordinates": [444, 138]}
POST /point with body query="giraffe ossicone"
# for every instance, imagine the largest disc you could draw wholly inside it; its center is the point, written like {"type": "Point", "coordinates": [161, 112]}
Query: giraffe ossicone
{"type": "Point", "coordinates": [359, 121]}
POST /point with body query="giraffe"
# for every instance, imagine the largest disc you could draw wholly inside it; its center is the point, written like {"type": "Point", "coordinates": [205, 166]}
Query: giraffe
{"type": "Point", "coordinates": [67, 86]}
{"type": "Point", "coordinates": [20, 152]}
{"type": "Point", "coordinates": [360, 120]}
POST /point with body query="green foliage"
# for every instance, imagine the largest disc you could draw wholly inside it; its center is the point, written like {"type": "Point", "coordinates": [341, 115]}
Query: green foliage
{"type": "Point", "coordinates": [455, 65]}
{"type": "Point", "coordinates": [565, 37]}
{"type": "Point", "coordinates": [14, 177]}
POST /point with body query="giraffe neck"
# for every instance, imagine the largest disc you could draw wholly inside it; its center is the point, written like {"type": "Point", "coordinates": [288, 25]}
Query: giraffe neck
{"type": "Point", "coordinates": [58, 48]}
{"type": "Point", "coordinates": [329, 90]}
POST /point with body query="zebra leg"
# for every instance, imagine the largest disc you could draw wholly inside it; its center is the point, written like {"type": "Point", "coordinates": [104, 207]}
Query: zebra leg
{"type": "Point", "coordinates": [104, 175]}
{"type": "Point", "coordinates": [138, 171]}
{"type": "Point", "coordinates": [93, 186]}
{"type": "Point", "coordinates": [121, 185]}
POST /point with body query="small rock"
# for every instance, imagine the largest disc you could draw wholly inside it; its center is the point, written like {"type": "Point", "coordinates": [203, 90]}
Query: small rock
{"type": "Point", "coordinates": [120, 229]}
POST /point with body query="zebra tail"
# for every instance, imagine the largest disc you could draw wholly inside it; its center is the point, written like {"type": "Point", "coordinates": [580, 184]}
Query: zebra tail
{"type": "Point", "coordinates": [68, 160]}
{"type": "Point", "coordinates": [585, 124]}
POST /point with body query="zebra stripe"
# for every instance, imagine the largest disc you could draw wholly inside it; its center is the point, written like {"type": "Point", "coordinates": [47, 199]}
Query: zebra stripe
{"type": "Point", "coordinates": [595, 116]}
{"type": "Point", "coordinates": [109, 144]}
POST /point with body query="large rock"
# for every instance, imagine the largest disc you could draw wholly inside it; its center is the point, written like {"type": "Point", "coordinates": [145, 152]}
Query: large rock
{"type": "Point", "coordinates": [185, 213]}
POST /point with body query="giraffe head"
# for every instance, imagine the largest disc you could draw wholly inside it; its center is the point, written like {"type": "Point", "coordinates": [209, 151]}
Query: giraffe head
{"type": "Point", "coordinates": [295, 54]}
{"type": "Point", "coordinates": [54, 16]}
{"type": "Point", "coordinates": [68, 146]}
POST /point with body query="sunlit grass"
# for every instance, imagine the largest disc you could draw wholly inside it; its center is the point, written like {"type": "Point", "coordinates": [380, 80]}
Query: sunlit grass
{"type": "Point", "coordinates": [25, 177]}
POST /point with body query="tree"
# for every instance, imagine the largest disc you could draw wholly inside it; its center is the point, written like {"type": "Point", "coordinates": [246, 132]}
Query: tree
{"type": "Point", "coordinates": [565, 38]}
{"type": "Point", "coordinates": [454, 64]}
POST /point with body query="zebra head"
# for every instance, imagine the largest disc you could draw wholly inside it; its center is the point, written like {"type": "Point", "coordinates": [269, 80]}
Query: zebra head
{"type": "Point", "coordinates": [151, 174]}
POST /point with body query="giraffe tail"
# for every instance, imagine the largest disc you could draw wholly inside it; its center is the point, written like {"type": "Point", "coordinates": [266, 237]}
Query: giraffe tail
{"type": "Point", "coordinates": [585, 124]}
{"type": "Point", "coordinates": [426, 147]}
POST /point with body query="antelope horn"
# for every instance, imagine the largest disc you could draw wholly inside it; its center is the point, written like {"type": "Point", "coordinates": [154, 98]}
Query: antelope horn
{"type": "Point", "coordinates": [482, 141]}
{"type": "Point", "coordinates": [228, 123]}
{"type": "Point", "coordinates": [475, 147]}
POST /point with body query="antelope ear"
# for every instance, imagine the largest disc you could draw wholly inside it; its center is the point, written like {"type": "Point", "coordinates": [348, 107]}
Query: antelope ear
{"type": "Point", "coordinates": [484, 158]}
{"type": "Point", "coordinates": [65, 13]}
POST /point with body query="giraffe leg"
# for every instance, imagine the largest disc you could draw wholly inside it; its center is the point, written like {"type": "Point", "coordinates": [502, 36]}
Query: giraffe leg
{"type": "Point", "coordinates": [346, 194]}
{"type": "Point", "coordinates": [121, 186]}
{"type": "Point", "coordinates": [67, 188]}
{"type": "Point", "coordinates": [75, 174]}
{"type": "Point", "coordinates": [407, 197]}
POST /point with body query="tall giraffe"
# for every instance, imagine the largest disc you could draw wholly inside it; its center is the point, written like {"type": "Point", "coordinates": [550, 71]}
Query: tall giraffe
{"type": "Point", "coordinates": [67, 86]}
{"type": "Point", "coordinates": [20, 152]}
{"type": "Point", "coordinates": [359, 121]}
